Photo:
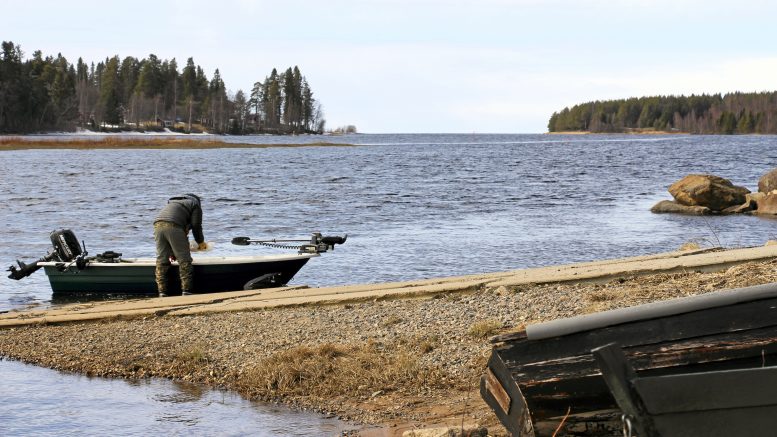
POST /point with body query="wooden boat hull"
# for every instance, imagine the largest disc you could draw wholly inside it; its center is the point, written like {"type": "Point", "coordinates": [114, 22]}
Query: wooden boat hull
{"type": "Point", "coordinates": [548, 370]}
{"type": "Point", "coordinates": [700, 404]}
{"type": "Point", "coordinates": [136, 276]}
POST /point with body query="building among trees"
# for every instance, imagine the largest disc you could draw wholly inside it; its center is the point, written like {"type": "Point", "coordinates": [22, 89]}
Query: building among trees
{"type": "Point", "coordinates": [45, 94]}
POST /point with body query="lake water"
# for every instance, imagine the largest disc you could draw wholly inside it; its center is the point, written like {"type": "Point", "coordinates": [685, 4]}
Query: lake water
{"type": "Point", "coordinates": [414, 206]}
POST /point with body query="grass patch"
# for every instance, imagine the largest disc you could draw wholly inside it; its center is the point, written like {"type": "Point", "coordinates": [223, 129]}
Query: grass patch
{"type": "Point", "coordinates": [485, 328]}
{"type": "Point", "coordinates": [191, 359]}
{"type": "Point", "coordinates": [603, 295]}
{"type": "Point", "coordinates": [337, 370]}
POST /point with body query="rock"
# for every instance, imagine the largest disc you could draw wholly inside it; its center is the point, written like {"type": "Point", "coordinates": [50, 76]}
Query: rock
{"type": "Point", "coordinates": [767, 205]}
{"type": "Point", "coordinates": [502, 291]}
{"type": "Point", "coordinates": [714, 192]}
{"type": "Point", "coordinates": [756, 197]}
{"type": "Point", "coordinates": [691, 245]}
{"type": "Point", "coordinates": [748, 206]}
{"type": "Point", "coordinates": [452, 431]}
{"type": "Point", "coordinates": [665, 206]}
{"type": "Point", "coordinates": [768, 182]}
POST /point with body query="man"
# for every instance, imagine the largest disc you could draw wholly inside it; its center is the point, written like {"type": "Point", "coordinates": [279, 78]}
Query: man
{"type": "Point", "coordinates": [171, 228]}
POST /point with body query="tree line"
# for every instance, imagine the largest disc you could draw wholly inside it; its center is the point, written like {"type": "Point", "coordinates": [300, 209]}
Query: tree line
{"type": "Point", "coordinates": [48, 93]}
{"type": "Point", "coordinates": [733, 113]}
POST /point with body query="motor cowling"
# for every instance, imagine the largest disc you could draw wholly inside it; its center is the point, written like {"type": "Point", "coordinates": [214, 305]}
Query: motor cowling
{"type": "Point", "coordinates": [66, 245]}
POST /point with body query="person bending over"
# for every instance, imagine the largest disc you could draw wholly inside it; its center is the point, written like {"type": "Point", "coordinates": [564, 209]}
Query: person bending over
{"type": "Point", "coordinates": [171, 228]}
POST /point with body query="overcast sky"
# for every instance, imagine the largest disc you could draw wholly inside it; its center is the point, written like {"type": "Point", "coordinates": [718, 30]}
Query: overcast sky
{"type": "Point", "coordinates": [430, 65]}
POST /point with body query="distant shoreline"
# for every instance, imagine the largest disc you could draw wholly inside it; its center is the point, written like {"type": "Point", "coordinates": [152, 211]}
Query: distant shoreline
{"type": "Point", "coordinates": [19, 143]}
{"type": "Point", "coordinates": [629, 132]}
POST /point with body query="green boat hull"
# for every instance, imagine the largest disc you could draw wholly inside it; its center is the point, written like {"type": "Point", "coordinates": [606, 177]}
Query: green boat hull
{"type": "Point", "coordinates": [137, 276]}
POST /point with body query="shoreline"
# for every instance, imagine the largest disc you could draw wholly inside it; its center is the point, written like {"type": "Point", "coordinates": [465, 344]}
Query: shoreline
{"type": "Point", "coordinates": [19, 143]}
{"type": "Point", "coordinates": [634, 132]}
{"type": "Point", "coordinates": [392, 361]}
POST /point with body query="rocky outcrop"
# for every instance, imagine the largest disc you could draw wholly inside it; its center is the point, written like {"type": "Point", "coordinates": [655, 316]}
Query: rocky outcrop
{"type": "Point", "coordinates": [700, 194]}
{"type": "Point", "coordinates": [714, 192]}
{"type": "Point", "coordinates": [768, 182]}
{"type": "Point", "coordinates": [669, 206]}
{"type": "Point", "coordinates": [768, 204]}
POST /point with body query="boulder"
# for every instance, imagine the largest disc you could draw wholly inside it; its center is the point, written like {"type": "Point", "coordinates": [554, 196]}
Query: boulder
{"type": "Point", "coordinates": [768, 205]}
{"type": "Point", "coordinates": [665, 206]}
{"type": "Point", "coordinates": [768, 182]}
{"type": "Point", "coordinates": [749, 205]}
{"type": "Point", "coordinates": [714, 192]}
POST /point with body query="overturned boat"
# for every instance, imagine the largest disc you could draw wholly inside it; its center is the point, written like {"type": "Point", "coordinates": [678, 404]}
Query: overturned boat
{"type": "Point", "coordinates": [70, 269]}
{"type": "Point", "coordinates": [703, 365]}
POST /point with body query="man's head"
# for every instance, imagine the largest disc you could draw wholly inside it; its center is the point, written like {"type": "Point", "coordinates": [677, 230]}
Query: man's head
{"type": "Point", "coordinates": [194, 196]}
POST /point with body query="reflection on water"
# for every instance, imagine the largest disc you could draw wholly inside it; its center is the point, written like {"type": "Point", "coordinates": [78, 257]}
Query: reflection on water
{"type": "Point", "coordinates": [64, 404]}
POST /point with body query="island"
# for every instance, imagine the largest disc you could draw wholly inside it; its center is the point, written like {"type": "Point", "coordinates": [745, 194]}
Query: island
{"type": "Point", "coordinates": [714, 114]}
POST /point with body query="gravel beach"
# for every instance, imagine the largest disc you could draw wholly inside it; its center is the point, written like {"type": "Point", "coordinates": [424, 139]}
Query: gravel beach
{"type": "Point", "coordinates": [399, 364]}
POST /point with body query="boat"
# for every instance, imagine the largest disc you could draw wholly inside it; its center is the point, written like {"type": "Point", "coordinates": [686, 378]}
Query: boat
{"type": "Point", "coordinates": [71, 271]}
{"type": "Point", "coordinates": [738, 402]}
{"type": "Point", "coordinates": [546, 380]}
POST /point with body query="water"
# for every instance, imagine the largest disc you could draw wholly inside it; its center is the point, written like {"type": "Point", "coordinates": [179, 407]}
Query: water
{"type": "Point", "coordinates": [414, 206]}
{"type": "Point", "coordinates": [44, 402]}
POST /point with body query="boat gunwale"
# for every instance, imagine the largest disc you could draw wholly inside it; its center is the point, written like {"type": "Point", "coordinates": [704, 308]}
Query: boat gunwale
{"type": "Point", "coordinates": [201, 261]}
{"type": "Point", "coordinates": [654, 310]}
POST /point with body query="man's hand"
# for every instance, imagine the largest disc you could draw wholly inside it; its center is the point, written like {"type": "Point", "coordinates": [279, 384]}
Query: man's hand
{"type": "Point", "coordinates": [202, 246]}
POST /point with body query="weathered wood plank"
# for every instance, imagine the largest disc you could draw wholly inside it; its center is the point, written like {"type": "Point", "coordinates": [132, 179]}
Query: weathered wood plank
{"type": "Point", "coordinates": [740, 317]}
{"type": "Point", "coordinates": [758, 347]}
{"type": "Point", "coordinates": [618, 374]}
{"type": "Point", "coordinates": [709, 390]}
{"type": "Point", "coordinates": [576, 383]}
{"type": "Point", "coordinates": [513, 414]}
{"type": "Point", "coordinates": [745, 422]}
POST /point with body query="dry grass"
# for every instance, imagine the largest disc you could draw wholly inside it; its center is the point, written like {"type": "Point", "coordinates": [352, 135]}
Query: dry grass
{"type": "Point", "coordinates": [20, 143]}
{"type": "Point", "coordinates": [190, 359]}
{"type": "Point", "coordinates": [331, 370]}
{"type": "Point", "coordinates": [485, 328]}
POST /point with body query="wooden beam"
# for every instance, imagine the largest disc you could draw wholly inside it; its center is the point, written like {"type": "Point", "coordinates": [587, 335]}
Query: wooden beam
{"type": "Point", "coordinates": [618, 374]}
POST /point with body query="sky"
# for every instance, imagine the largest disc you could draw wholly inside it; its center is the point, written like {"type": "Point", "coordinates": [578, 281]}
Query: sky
{"type": "Point", "coordinates": [429, 66]}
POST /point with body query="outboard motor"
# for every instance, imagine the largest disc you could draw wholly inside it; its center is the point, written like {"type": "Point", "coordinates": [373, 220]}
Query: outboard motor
{"type": "Point", "coordinates": [66, 249]}
{"type": "Point", "coordinates": [66, 246]}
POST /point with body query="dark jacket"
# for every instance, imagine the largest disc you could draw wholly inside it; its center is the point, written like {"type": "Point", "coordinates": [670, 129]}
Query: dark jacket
{"type": "Point", "coordinates": [186, 212]}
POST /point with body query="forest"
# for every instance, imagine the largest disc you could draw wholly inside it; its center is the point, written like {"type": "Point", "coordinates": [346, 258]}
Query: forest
{"type": "Point", "coordinates": [733, 113]}
{"type": "Point", "coordinates": [44, 94]}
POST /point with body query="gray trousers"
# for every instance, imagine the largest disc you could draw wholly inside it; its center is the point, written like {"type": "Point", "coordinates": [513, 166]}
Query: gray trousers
{"type": "Point", "coordinates": [171, 240]}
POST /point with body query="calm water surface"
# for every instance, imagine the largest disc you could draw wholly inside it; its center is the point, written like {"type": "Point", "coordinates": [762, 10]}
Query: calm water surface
{"type": "Point", "coordinates": [414, 206]}
{"type": "Point", "coordinates": [44, 402]}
